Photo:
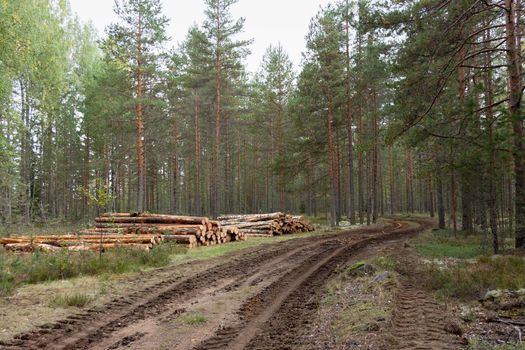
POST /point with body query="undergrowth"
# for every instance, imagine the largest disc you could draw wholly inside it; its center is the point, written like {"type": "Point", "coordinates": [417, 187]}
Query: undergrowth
{"type": "Point", "coordinates": [462, 267]}
{"type": "Point", "coordinates": [71, 300]}
{"type": "Point", "coordinates": [445, 244]}
{"type": "Point", "coordinates": [17, 270]}
{"type": "Point", "coordinates": [476, 344]}
{"type": "Point", "coordinates": [194, 319]}
{"type": "Point", "coordinates": [471, 280]}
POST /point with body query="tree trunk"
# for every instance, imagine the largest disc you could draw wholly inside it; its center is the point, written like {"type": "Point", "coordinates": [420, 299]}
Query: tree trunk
{"type": "Point", "coordinates": [140, 126]}
{"type": "Point", "coordinates": [392, 180]}
{"type": "Point", "coordinates": [331, 163]}
{"type": "Point", "coordinates": [350, 123]}
{"type": "Point", "coordinates": [492, 195]}
{"type": "Point", "coordinates": [280, 150]}
{"type": "Point", "coordinates": [440, 202]}
{"type": "Point", "coordinates": [515, 94]}
{"type": "Point", "coordinates": [216, 154]}
{"type": "Point", "coordinates": [198, 204]}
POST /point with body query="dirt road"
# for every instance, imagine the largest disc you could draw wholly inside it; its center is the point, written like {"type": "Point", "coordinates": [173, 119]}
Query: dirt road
{"type": "Point", "coordinates": [260, 298]}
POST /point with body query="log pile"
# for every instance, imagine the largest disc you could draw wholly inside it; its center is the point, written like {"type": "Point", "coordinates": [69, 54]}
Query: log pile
{"type": "Point", "coordinates": [173, 228]}
{"type": "Point", "coordinates": [143, 231]}
{"type": "Point", "coordinates": [272, 224]}
{"type": "Point", "coordinates": [52, 243]}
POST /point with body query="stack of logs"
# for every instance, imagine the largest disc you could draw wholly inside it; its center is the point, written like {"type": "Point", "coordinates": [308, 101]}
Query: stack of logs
{"type": "Point", "coordinates": [186, 230]}
{"type": "Point", "coordinates": [273, 224]}
{"type": "Point", "coordinates": [143, 231]}
{"type": "Point", "coordinates": [79, 242]}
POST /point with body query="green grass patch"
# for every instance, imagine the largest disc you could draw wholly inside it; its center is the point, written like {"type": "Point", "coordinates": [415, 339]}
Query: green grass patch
{"type": "Point", "coordinates": [50, 228]}
{"type": "Point", "coordinates": [318, 220]}
{"type": "Point", "coordinates": [476, 344]}
{"type": "Point", "coordinates": [73, 300]}
{"type": "Point", "coordinates": [202, 253]}
{"type": "Point", "coordinates": [353, 305]}
{"type": "Point", "coordinates": [193, 319]}
{"type": "Point", "coordinates": [471, 280]}
{"type": "Point", "coordinates": [386, 263]}
{"type": "Point", "coordinates": [17, 270]}
{"type": "Point", "coordinates": [444, 244]}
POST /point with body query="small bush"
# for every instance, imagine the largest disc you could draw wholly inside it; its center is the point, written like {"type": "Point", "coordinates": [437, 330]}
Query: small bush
{"type": "Point", "coordinates": [16, 270]}
{"type": "Point", "coordinates": [476, 344]}
{"type": "Point", "coordinates": [194, 319]}
{"type": "Point", "coordinates": [73, 300]}
{"type": "Point", "coordinates": [472, 280]}
{"type": "Point", "coordinates": [386, 263]}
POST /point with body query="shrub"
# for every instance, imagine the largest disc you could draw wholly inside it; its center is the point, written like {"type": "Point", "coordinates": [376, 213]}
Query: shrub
{"type": "Point", "coordinates": [194, 319]}
{"type": "Point", "coordinates": [472, 280]}
{"type": "Point", "coordinates": [16, 270]}
{"type": "Point", "coordinates": [73, 300]}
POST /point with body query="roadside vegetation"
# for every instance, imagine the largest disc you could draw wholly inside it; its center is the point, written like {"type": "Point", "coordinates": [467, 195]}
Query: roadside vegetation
{"type": "Point", "coordinates": [356, 303]}
{"type": "Point", "coordinates": [193, 319]}
{"type": "Point", "coordinates": [462, 265]}
{"type": "Point", "coordinates": [17, 270]}
{"type": "Point", "coordinates": [21, 269]}
{"type": "Point", "coordinates": [484, 290]}
{"type": "Point", "coordinates": [71, 300]}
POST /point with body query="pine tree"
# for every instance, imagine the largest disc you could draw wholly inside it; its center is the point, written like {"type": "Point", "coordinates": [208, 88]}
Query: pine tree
{"type": "Point", "coordinates": [226, 54]}
{"type": "Point", "coordinates": [141, 30]}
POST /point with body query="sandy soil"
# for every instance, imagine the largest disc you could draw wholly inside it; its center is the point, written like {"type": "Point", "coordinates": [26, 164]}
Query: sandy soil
{"type": "Point", "coordinates": [259, 298]}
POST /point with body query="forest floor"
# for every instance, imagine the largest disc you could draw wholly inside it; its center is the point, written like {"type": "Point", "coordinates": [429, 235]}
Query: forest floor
{"type": "Point", "coordinates": [358, 289]}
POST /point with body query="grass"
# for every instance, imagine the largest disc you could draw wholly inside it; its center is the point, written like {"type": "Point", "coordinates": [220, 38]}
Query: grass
{"type": "Point", "coordinates": [473, 273]}
{"type": "Point", "coordinates": [57, 227]}
{"type": "Point", "coordinates": [471, 280]}
{"type": "Point", "coordinates": [72, 300]}
{"type": "Point", "coordinates": [202, 253]}
{"type": "Point", "coordinates": [475, 344]}
{"type": "Point", "coordinates": [17, 270]}
{"type": "Point", "coordinates": [193, 319]}
{"type": "Point", "coordinates": [386, 263]}
{"type": "Point", "coordinates": [443, 244]}
{"type": "Point", "coordinates": [353, 304]}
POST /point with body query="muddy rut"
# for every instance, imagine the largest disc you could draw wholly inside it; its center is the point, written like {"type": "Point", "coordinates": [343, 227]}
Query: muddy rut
{"type": "Point", "coordinates": [269, 293]}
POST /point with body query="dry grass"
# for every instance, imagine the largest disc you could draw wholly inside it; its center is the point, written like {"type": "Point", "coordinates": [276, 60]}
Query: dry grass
{"type": "Point", "coordinates": [353, 304]}
{"type": "Point", "coordinates": [71, 300]}
{"type": "Point", "coordinates": [470, 280]}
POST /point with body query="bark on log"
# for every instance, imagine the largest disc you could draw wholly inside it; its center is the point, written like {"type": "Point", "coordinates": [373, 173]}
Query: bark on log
{"type": "Point", "coordinates": [167, 219]}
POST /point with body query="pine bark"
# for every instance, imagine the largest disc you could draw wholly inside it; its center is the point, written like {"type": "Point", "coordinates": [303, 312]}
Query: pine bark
{"type": "Point", "coordinates": [140, 125]}
{"type": "Point", "coordinates": [515, 94]}
{"type": "Point", "coordinates": [349, 125]}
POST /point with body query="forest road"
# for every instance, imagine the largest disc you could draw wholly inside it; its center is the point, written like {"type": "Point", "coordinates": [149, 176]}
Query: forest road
{"type": "Point", "coordinates": [257, 298]}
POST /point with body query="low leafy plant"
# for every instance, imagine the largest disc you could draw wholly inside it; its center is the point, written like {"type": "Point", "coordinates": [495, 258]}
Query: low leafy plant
{"type": "Point", "coordinates": [471, 280]}
{"type": "Point", "coordinates": [386, 263]}
{"type": "Point", "coordinates": [193, 319]}
{"type": "Point", "coordinates": [16, 270]}
{"type": "Point", "coordinates": [73, 300]}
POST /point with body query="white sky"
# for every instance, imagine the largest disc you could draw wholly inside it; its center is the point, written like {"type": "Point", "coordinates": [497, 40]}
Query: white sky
{"type": "Point", "coordinates": [267, 21]}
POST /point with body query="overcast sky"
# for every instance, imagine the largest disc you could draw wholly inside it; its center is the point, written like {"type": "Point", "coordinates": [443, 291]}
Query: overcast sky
{"type": "Point", "coordinates": [267, 21]}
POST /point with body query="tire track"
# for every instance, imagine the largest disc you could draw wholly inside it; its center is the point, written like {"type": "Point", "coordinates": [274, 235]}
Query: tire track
{"type": "Point", "coordinates": [419, 323]}
{"type": "Point", "coordinates": [86, 329]}
{"type": "Point", "coordinates": [276, 317]}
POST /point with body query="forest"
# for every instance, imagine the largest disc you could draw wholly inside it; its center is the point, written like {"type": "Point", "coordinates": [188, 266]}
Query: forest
{"type": "Point", "coordinates": [397, 107]}
{"type": "Point", "coordinates": [171, 194]}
